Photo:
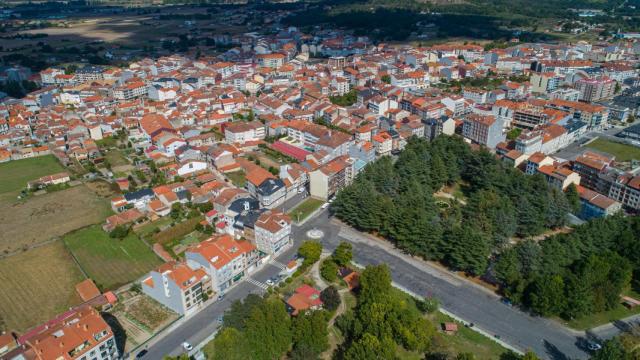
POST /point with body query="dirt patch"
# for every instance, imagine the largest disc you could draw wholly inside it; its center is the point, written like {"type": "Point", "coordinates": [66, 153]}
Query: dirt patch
{"type": "Point", "coordinates": [41, 218]}
{"type": "Point", "coordinates": [37, 285]}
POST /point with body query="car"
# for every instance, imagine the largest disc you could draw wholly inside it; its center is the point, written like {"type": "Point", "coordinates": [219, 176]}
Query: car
{"type": "Point", "coordinates": [220, 319]}
{"type": "Point", "coordinates": [220, 297]}
{"type": "Point", "coordinates": [506, 302]}
{"type": "Point", "coordinates": [594, 346]}
{"type": "Point", "coordinates": [269, 282]}
{"type": "Point", "coordinates": [300, 190]}
{"type": "Point", "coordinates": [331, 200]}
{"type": "Point", "coordinates": [187, 346]}
{"type": "Point", "coordinates": [141, 354]}
{"type": "Point", "coordinates": [325, 205]}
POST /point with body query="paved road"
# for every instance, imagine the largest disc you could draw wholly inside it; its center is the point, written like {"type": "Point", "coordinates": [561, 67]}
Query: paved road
{"type": "Point", "coordinates": [470, 302]}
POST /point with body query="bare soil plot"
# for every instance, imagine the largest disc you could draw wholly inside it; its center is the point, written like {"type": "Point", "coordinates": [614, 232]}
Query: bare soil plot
{"type": "Point", "coordinates": [37, 285]}
{"type": "Point", "coordinates": [141, 317]}
{"type": "Point", "coordinates": [41, 218]}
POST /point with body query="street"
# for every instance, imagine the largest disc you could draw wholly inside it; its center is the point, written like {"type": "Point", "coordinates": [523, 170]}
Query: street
{"type": "Point", "coordinates": [468, 301]}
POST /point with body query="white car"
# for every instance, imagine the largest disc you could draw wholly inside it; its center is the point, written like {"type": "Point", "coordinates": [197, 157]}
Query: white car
{"type": "Point", "coordinates": [187, 346]}
{"type": "Point", "coordinates": [300, 190]}
{"type": "Point", "coordinates": [325, 205]}
{"type": "Point", "coordinates": [269, 282]}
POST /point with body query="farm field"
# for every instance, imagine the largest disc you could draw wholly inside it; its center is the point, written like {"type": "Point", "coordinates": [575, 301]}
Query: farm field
{"type": "Point", "coordinates": [110, 262]}
{"type": "Point", "coordinates": [14, 175]}
{"type": "Point", "coordinates": [37, 285]}
{"type": "Point", "coordinates": [43, 217]}
{"type": "Point", "coordinates": [622, 152]}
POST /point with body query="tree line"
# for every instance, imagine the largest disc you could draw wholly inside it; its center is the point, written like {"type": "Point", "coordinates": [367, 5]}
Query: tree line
{"type": "Point", "coordinates": [395, 200]}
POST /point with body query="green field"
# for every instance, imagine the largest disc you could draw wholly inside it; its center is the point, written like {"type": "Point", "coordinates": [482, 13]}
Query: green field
{"type": "Point", "coordinates": [110, 262]}
{"type": "Point", "coordinates": [303, 210]}
{"type": "Point", "coordinates": [622, 152]}
{"type": "Point", "coordinates": [238, 178]}
{"type": "Point", "coordinates": [14, 175]}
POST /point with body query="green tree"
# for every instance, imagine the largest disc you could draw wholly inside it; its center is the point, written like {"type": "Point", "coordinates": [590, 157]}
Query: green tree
{"type": "Point", "coordinates": [548, 295]}
{"type": "Point", "coordinates": [370, 347]}
{"type": "Point", "coordinates": [329, 270]}
{"type": "Point", "coordinates": [611, 350]}
{"type": "Point", "coordinates": [530, 355]}
{"type": "Point", "coordinates": [310, 251]}
{"type": "Point", "coordinates": [229, 344]}
{"type": "Point", "coordinates": [330, 298]}
{"type": "Point", "coordinates": [573, 198]}
{"type": "Point", "coordinates": [268, 330]}
{"type": "Point", "coordinates": [342, 255]}
{"type": "Point", "coordinates": [375, 284]}
{"type": "Point", "coordinates": [310, 335]}
{"type": "Point", "coordinates": [386, 79]}
{"type": "Point", "coordinates": [467, 249]}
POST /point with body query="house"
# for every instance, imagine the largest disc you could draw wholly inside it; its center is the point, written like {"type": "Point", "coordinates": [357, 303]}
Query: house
{"type": "Point", "coordinates": [124, 218]}
{"type": "Point", "coordinates": [191, 167]}
{"type": "Point", "coordinates": [55, 179]}
{"type": "Point", "coordinates": [225, 259]}
{"type": "Point", "coordinates": [559, 177]}
{"type": "Point", "coordinates": [80, 333]}
{"type": "Point", "coordinates": [178, 286]}
{"type": "Point", "coordinates": [272, 232]}
{"type": "Point", "coordinates": [304, 298]}
{"type": "Point", "coordinates": [139, 198]}
{"type": "Point", "coordinates": [331, 177]}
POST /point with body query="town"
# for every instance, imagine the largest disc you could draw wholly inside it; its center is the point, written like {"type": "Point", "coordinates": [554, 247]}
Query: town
{"type": "Point", "coordinates": [299, 183]}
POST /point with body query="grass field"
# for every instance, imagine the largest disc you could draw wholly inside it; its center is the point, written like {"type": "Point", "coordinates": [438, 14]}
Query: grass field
{"type": "Point", "coordinates": [465, 340]}
{"type": "Point", "coordinates": [43, 217]}
{"type": "Point", "coordinates": [303, 210]}
{"type": "Point", "coordinates": [14, 175]}
{"type": "Point", "coordinates": [622, 152]}
{"type": "Point", "coordinates": [37, 285]}
{"type": "Point", "coordinates": [238, 178]}
{"type": "Point", "coordinates": [110, 262]}
{"type": "Point", "coordinates": [601, 318]}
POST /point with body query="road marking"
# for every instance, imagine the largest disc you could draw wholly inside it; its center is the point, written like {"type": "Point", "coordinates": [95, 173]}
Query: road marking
{"type": "Point", "coordinates": [257, 283]}
{"type": "Point", "coordinates": [277, 264]}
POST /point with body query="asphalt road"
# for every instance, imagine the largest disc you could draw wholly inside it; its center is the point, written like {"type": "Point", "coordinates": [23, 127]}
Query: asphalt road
{"type": "Point", "coordinates": [468, 301]}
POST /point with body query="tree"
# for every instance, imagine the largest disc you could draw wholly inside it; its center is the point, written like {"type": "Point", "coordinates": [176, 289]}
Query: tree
{"type": "Point", "coordinates": [465, 356]}
{"type": "Point", "coordinates": [329, 270]}
{"type": "Point", "coordinates": [370, 347]}
{"type": "Point", "coordinates": [176, 211]}
{"type": "Point", "coordinates": [268, 330]}
{"type": "Point", "coordinates": [547, 296]}
{"type": "Point", "coordinates": [530, 355]}
{"type": "Point", "coordinates": [310, 251]}
{"type": "Point", "coordinates": [343, 254]}
{"type": "Point", "coordinates": [330, 298]}
{"type": "Point", "coordinates": [573, 198]}
{"type": "Point", "coordinates": [467, 249]}
{"type": "Point", "coordinates": [310, 335]}
{"type": "Point", "coordinates": [386, 79]}
{"type": "Point", "coordinates": [611, 350]}
{"type": "Point", "coordinates": [375, 284]}
{"type": "Point", "coordinates": [119, 232]}
{"type": "Point", "coordinates": [229, 344]}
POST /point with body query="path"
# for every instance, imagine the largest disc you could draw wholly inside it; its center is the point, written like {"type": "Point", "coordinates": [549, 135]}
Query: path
{"type": "Point", "coordinates": [315, 272]}
{"type": "Point", "coordinates": [333, 342]}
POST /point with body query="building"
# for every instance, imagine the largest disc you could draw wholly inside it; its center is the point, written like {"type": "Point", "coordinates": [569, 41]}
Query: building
{"type": "Point", "coordinates": [545, 82]}
{"type": "Point", "coordinates": [304, 298]}
{"type": "Point", "coordinates": [483, 129]}
{"type": "Point", "coordinates": [631, 133]}
{"type": "Point", "coordinates": [590, 166]}
{"type": "Point", "coordinates": [626, 190]}
{"type": "Point", "coordinates": [226, 260]}
{"type": "Point", "coordinates": [596, 205]}
{"type": "Point", "coordinates": [178, 287]}
{"type": "Point", "coordinates": [595, 89]}
{"type": "Point", "coordinates": [559, 177]}
{"type": "Point", "coordinates": [274, 60]}
{"type": "Point", "coordinates": [78, 334]}
{"type": "Point", "coordinates": [241, 132]}
{"type": "Point", "coordinates": [331, 177]}
{"type": "Point", "coordinates": [272, 232]}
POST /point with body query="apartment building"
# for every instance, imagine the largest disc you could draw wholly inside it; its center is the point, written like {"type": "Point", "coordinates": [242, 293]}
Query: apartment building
{"type": "Point", "coordinates": [224, 258]}
{"type": "Point", "coordinates": [241, 132]}
{"type": "Point", "coordinates": [331, 177]}
{"type": "Point", "coordinates": [483, 129]}
{"type": "Point", "coordinates": [178, 287]}
{"type": "Point", "coordinates": [272, 232]}
{"type": "Point", "coordinates": [626, 189]}
{"type": "Point", "coordinates": [595, 89]}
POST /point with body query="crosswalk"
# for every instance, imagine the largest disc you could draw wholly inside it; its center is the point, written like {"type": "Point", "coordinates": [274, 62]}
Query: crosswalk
{"type": "Point", "coordinates": [277, 264]}
{"type": "Point", "coordinates": [257, 283]}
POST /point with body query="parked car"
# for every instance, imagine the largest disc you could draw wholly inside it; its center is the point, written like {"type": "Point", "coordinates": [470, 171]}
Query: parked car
{"type": "Point", "coordinates": [141, 354]}
{"type": "Point", "coordinates": [269, 282]}
{"type": "Point", "coordinates": [187, 346]}
{"type": "Point", "coordinates": [594, 346]}
{"type": "Point", "coordinates": [325, 205]}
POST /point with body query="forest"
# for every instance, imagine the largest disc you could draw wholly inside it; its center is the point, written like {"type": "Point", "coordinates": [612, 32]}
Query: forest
{"type": "Point", "coordinates": [502, 206]}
